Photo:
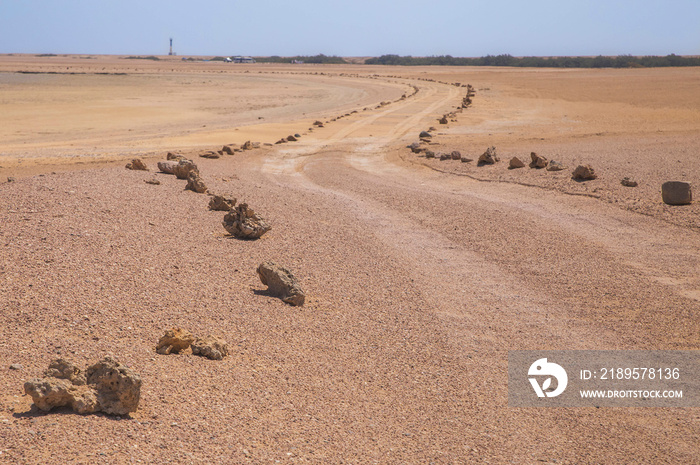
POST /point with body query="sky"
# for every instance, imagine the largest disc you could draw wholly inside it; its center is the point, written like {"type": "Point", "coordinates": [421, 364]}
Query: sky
{"type": "Point", "coordinates": [461, 28]}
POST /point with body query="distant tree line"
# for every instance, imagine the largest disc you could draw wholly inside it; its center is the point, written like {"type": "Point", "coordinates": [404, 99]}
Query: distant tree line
{"type": "Point", "coordinates": [317, 59]}
{"type": "Point", "coordinates": [621, 61]}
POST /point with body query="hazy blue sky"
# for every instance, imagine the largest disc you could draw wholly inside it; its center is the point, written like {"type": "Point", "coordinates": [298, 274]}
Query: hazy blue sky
{"type": "Point", "coordinates": [352, 28]}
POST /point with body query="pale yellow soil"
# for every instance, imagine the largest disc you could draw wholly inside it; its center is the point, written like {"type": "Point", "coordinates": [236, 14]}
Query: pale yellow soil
{"type": "Point", "coordinates": [420, 275]}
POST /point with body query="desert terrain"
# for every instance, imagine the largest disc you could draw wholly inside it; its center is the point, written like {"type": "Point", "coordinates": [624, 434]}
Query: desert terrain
{"type": "Point", "coordinates": [420, 274]}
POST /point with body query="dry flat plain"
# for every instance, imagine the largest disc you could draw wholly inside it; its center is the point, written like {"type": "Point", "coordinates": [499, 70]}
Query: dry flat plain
{"type": "Point", "coordinates": [420, 274]}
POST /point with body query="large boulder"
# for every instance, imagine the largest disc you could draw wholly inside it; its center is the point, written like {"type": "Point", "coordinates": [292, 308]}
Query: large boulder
{"type": "Point", "coordinates": [676, 193]}
{"type": "Point", "coordinates": [221, 203]}
{"type": "Point", "coordinates": [281, 283]}
{"type": "Point", "coordinates": [107, 386]}
{"type": "Point", "coordinates": [583, 173]}
{"type": "Point", "coordinates": [174, 341]}
{"type": "Point", "coordinates": [244, 223]}
{"type": "Point", "coordinates": [184, 168]}
{"type": "Point", "coordinates": [489, 157]}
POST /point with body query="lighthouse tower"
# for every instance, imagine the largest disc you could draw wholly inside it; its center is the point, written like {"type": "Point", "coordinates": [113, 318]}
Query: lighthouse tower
{"type": "Point", "coordinates": [171, 46]}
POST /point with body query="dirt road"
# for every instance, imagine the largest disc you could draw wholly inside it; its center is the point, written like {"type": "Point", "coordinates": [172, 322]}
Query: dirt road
{"type": "Point", "coordinates": [419, 282]}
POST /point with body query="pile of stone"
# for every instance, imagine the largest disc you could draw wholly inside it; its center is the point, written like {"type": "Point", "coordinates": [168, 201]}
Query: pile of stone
{"type": "Point", "coordinates": [106, 386]}
{"type": "Point", "coordinates": [183, 168]}
{"type": "Point", "coordinates": [177, 341]}
{"type": "Point", "coordinates": [467, 100]}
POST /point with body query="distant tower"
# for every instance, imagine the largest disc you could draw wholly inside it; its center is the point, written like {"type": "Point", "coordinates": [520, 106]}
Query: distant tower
{"type": "Point", "coordinates": [171, 46]}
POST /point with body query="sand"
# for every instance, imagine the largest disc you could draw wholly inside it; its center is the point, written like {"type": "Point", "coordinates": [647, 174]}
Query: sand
{"type": "Point", "coordinates": [420, 275]}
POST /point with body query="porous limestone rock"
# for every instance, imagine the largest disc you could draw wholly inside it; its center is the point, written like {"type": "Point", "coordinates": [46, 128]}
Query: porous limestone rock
{"type": "Point", "coordinates": [118, 388]}
{"type": "Point", "coordinates": [167, 167]}
{"type": "Point", "coordinates": [537, 161]}
{"type": "Point", "coordinates": [244, 223]}
{"type": "Point", "coordinates": [415, 147]}
{"type": "Point", "coordinates": [210, 347]}
{"type": "Point", "coordinates": [514, 163]}
{"type": "Point", "coordinates": [174, 341]}
{"type": "Point", "coordinates": [195, 183]}
{"type": "Point", "coordinates": [174, 157]}
{"type": "Point", "coordinates": [583, 173]}
{"type": "Point", "coordinates": [49, 393]}
{"type": "Point", "coordinates": [489, 157]}
{"type": "Point", "coordinates": [281, 283]}
{"type": "Point", "coordinates": [136, 164]}
{"type": "Point", "coordinates": [184, 168]}
{"type": "Point", "coordinates": [221, 203]}
{"type": "Point", "coordinates": [63, 369]}
{"type": "Point", "coordinates": [106, 386]}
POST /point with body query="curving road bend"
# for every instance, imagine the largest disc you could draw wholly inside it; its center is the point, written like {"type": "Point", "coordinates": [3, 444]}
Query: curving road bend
{"type": "Point", "coordinates": [482, 268]}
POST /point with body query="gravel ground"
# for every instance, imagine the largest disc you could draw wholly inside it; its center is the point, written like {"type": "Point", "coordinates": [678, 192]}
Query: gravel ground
{"type": "Point", "coordinates": [418, 283]}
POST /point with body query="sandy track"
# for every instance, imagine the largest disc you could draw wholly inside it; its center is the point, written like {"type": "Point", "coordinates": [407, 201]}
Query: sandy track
{"type": "Point", "coordinates": [419, 283]}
